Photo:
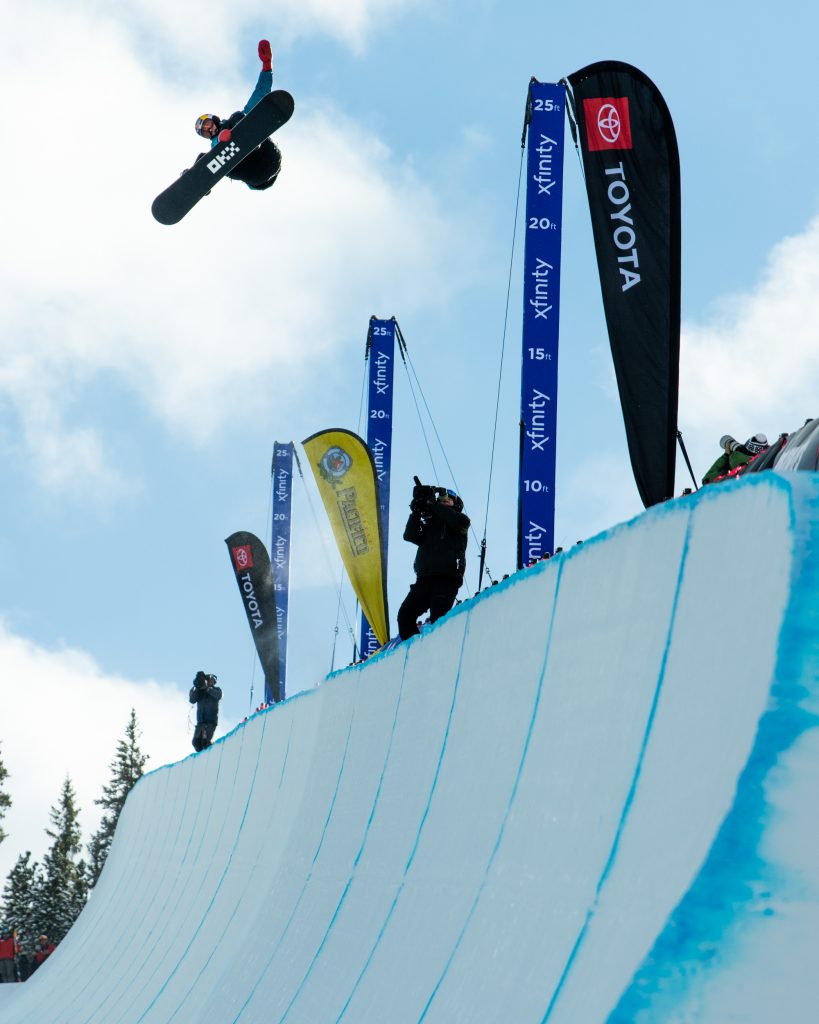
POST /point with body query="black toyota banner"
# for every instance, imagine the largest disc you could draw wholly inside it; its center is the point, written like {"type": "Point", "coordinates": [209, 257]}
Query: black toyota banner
{"type": "Point", "coordinates": [632, 170]}
{"type": "Point", "coordinates": [254, 574]}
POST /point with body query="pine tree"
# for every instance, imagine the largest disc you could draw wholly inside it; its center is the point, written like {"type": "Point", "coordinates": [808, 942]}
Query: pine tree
{"type": "Point", "coordinates": [20, 898]}
{"type": "Point", "coordinates": [5, 799]}
{"type": "Point", "coordinates": [64, 889]}
{"type": "Point", "coordinates": [127, 767]}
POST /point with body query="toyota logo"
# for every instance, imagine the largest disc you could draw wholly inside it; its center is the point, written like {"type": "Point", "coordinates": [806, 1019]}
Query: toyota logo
{"type": "Point", "coordinates": [608, 123]}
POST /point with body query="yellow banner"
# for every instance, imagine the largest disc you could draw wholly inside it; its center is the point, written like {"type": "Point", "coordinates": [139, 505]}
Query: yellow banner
{"type": "Point", "coordinates": [345, 474]}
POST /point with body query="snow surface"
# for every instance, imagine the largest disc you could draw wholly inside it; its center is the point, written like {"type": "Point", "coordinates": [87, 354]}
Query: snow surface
{"type": "Point", "coordinates": [586, 796]}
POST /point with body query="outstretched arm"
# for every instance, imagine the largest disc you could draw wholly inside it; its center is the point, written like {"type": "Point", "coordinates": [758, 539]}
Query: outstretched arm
{"type": "Point", "coordinates": [265, 82]}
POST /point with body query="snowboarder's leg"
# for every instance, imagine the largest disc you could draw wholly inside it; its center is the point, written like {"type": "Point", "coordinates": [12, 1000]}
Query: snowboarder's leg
{"type": "Point", "coordinates": [273, 161]}
{"type": "Point", "coordinates": [260, 169]}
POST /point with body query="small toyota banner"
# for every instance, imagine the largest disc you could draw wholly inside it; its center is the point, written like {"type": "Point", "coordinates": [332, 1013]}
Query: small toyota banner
{"type": "Point", "coordinates": [254, 576]}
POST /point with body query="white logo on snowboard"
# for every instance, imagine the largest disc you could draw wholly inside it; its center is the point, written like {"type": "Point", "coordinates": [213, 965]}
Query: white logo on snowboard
{"type": "Point", "coordinates": [218, 162]}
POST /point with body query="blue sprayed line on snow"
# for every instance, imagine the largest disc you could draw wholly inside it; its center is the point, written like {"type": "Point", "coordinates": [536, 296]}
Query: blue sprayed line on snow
{"type": "Point", "coordinates": [634, 782]}
{"type": "Point", "coordinates": [237, 906]}
{"type": "Point", "coordinates": [78, 949]}
{"type": "Point", "coordinates": [360, 852]}
{"type": "Point", "coordinates": [421, 825]}
{"type": "Point", "coordinates": [733, 888]}
{"type": "Point", "coordinates": [149, 908]}
{"type": "Point", "coordinates": [309, 877]}
{"type": "Point", "coordinates": [512, 795]}
{"type": "Point", "coordinates": [218, 886]}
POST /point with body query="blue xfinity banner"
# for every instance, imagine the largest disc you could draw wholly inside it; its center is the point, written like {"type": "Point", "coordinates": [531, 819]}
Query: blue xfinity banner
{"type": "Point", "coordinates": [541, 309]}
{"type": "Point", "coordinates": [381, 361]}
{"type": "Point", "coordinates": [282, 471]}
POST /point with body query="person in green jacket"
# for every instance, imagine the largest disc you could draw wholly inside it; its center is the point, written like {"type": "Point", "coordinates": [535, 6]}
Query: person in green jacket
{"type": "Point", "coordinates": [734, 455]}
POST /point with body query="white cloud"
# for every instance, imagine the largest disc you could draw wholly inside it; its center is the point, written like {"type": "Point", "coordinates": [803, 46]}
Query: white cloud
{"type": "Point", "coordinates": [210, 311]}
{"type": "Point", "coordinates": [188, 31]}
{"type": "Point", "coordinates": [61, 714]}
{"type": "Point", "coordinates": [755, 364]}
{"type": "Point", "coordinates": [352, 22]}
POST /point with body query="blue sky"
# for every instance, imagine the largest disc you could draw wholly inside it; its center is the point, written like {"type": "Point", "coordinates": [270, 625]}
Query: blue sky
{"type": "Point", "coordinates": [145, 372]}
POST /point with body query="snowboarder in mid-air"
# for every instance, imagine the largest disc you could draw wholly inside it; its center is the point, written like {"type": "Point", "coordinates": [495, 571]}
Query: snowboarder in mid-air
{"type": "Point", "coordinates": [260, 168]}
{"type": "Point", "coordinates": [240, 147]}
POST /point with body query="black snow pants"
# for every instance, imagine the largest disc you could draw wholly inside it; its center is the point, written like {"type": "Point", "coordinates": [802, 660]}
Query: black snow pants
{"type": "Point", "coordinates": [260, 168]}
{"type": "Point", "coordinates": [434, 593]}
{"type": "Point", "coordinates": [203, 734]}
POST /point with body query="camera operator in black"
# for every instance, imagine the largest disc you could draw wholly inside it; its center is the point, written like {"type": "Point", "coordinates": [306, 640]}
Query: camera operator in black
{"type": "Point", "coordinates": [205, 694]}
{"type": "Point", "coordinates": [438, 526]}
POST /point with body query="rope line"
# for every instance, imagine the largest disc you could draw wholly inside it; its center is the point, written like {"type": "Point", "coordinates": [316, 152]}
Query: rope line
{"type": "Point", "coordinates": [411, 372]}
{"type": "Point", "coordinates": [405, 358]}
{"type": "Point", "coordinates": [503, 349]}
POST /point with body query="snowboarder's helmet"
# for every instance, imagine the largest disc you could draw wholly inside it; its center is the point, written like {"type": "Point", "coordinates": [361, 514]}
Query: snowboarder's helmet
{"type": "Point", "coordinates": [200, 123]}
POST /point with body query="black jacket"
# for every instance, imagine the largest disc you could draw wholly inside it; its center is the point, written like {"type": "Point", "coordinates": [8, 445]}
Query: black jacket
{"type": "Point", "coordinates": [441, 534]}
{"type": "Point", "coordinates": [206, 699]}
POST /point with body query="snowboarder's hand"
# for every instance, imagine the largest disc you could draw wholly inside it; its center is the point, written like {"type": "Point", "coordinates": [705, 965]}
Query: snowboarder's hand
{"type": "Point", "coordinates": [265, 55]}
{"type": "Point", "coordinates": [224, 135]}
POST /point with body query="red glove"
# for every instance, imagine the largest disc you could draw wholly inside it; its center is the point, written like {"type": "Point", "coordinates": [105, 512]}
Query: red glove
{"type": "Point", "coordinates": [224, 135]}
{"type": "Point", "coordinates": [265, 55]}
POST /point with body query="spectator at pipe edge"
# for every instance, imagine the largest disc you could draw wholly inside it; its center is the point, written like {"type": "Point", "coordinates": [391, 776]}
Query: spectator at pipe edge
{"type": "Point", "coordinates": [42, 951]}
{"type": "Point", "coordinates": [9, 951]}
{"type": "Point", "coordinates": [735, 455]}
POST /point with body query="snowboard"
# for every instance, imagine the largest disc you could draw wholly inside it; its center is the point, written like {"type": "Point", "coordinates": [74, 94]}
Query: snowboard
{"type": "Point", "coordinates": [270, 113]}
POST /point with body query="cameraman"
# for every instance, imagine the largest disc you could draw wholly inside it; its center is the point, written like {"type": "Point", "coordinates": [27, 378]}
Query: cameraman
{"type": "Point", "coordinates": [439, 527]}
{"type": "Point", "coordinates": [205, 694]}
